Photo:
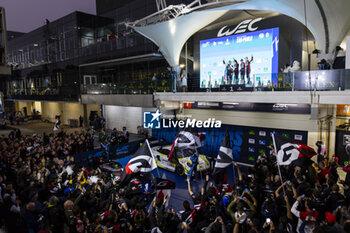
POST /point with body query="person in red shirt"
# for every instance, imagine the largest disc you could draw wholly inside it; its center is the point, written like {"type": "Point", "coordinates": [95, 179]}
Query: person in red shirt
{"type": "Point", "coordinates": [247, 68]}
{"type": "Point", "coordinates": [324, 171]}
{"type": "Point", "coordinates": [309, 214]}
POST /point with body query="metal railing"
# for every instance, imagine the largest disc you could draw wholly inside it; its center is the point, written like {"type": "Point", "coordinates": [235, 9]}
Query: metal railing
{"type": "Point", "coordinates": [135, 87]}
{"type": "Point", "coordinates": [52, 93]}
{"type": "Point", "coordinates": [34, 91]}
{"type": "Point", "coordinates": [321, 80]}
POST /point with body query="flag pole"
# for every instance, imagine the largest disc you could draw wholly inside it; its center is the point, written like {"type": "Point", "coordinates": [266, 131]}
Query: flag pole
{"type": "Point", "coordinates": [233, 162]}
{"type": "Point", "coordinates": [278, 166]}
{"type": "Point", "coordinates": [149, 147]}
{"type": "Point", "coordinates": [233, 167]}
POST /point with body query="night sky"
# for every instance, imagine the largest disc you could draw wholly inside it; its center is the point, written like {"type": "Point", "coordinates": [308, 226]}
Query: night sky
{"type": "Point", "coordinates": [27, 15]}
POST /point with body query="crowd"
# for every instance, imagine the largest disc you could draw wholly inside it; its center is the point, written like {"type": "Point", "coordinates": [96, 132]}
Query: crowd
{"type": "Point", "coordinates": [43, 191]}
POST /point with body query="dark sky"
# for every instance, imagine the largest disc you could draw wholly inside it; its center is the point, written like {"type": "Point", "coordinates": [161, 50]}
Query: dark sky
{"type": "Point", "coordinates": [27, 15]}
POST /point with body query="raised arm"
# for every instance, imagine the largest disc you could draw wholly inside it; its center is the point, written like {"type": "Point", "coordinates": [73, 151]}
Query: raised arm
{"type": "Point", "coordinates": [236, 228]}
{"type": "Point", "coordinates": [230, 211]}
{"type": "Point", "coordinates": [255, 203]}
{"type": "Point", "coordinates": [239, 172]}
{"type": "Point", "coordinates": [277, 192]}
{"type": "Point", "coordinates": [289, 213]}
{"type": "Point", "coordinates": [205, 184]}
{"type": "Point", "coordinates": [189, 187]}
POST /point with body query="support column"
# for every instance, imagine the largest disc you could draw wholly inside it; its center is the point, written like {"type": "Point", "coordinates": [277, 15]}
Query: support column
{"type": "Point", "coordinates": [327, 127]}
{"type": "Point", "coordinates": [85, 116]}
{"type": "Point", "coordinates": [332, 130]}
{"type": "Point", "coordinates": [347, 58]}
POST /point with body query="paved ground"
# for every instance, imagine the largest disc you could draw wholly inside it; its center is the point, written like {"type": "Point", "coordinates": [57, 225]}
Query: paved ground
{"type": "Point", "coordinates": [39, 127]}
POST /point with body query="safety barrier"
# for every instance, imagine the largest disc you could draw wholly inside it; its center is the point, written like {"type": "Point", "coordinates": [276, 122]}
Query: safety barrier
{"type": "Point", "coordinates": [114, 152]}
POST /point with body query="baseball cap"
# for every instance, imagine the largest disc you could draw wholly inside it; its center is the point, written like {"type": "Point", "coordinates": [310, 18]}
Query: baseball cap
{"type": "Point", "coordinates": [225, 200]}
{"type": "Point", "coordinates": [330, 217]}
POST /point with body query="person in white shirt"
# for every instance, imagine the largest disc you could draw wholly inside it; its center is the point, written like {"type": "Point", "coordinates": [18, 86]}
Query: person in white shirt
{"type": "Point", "coordinates": [183, 81]}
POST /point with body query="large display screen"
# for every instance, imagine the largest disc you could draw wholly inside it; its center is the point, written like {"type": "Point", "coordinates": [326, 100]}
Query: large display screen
{"type": "Point", "coordinates": [249, 58]}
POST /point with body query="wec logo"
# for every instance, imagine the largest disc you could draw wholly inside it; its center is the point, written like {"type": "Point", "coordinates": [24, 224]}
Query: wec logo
{"type": "Point", "coordinates": [241, 28]}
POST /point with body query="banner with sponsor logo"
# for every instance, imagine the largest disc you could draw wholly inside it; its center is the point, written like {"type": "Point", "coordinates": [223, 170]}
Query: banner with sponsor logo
{"type": "Point", "coordinates": [318, 79]}
{"type": "Point", "coordinates": [254, 107]}
{"type": "Point", "coordinates": [247, 142]}
{"type": "Point", "coordinates": [342, 139]}
{"type": "Point", "coordinates": [343, 110]}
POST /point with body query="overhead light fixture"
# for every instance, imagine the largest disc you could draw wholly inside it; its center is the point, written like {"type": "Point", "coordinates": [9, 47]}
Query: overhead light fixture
{"type": "Point", "coordinates": [208, 104]}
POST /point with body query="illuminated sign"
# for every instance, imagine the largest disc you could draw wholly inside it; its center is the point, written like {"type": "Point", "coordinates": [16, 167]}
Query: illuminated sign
{"type": "Point", "coordinates": [343, 110]}
{"type": "Point", "coordinates": [241, 28]}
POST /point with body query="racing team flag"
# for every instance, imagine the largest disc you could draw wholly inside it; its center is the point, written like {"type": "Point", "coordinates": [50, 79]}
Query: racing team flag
{"type": "Point", "coordinates": [223, 160]}
{"type": "Point", "coordinates": [288, 151]}
{"type": "Point", "coordinates": [143, 161]}
{"type": "Point", "coordinates": [186, 140]}
{"type": "Point", "coordinates": [225, 156]}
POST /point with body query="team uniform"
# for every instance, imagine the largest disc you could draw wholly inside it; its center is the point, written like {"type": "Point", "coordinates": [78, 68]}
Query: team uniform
{"type": "Point", "coordinates": [235, 70]}
{"type": "Point", "coordinates": [248, 69]}
{"type": "Point", "coordinates": [242, 71]}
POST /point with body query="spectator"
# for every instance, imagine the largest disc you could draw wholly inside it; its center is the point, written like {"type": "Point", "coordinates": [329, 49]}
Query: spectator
{"type": "Point", "coordinates": [55, 215]}
{"type": "Point", "coordinates": [42, 187]}
{"type": "Point", "coordinates": [329, 225]}
{"type": "Point", "coordinates": [125, 135]}
{"type": "Point", "coordinates": [81, 121]}
{"type": "Point", "coordinates": [307, 218]}
{"type": "Point", "coordinates": [31, 218]}
{"type": "Point", "coordinates": [114, 133]}
{"type": "Point", "coordinates": [324, 171]}
{"type": "Point", "coordinates": [183, 81]}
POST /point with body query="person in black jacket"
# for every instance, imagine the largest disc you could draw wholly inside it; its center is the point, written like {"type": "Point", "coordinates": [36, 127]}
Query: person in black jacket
{"type": "Point", "coordinates": [31, 218]}
{"type": "Point", "coordinates": [242, 71]}
{"type": "Point", "coordinates": [335, 199]}
{"type": "Point", "coordinates": [235, 70]}
{"type": "Point", "coordinates": [55, 215]}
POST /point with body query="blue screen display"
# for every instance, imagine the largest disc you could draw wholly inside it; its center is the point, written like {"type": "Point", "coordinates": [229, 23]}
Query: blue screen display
{"type": "Point", "coordinates": [257, 50]}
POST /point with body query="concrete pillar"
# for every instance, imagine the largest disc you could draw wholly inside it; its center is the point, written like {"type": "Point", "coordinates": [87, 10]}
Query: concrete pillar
{"type": "Point", "coordinates": [327, 127]}
{"type": "Point", "coordinates": [17, 106]}
{"type": "Point", "coordinates": [63, 117]}
{"type": "Point", "coordinates": [85, 116]}
{"type": "Point", "coordinates": [347, 58]}
{"type": "Point", "coordinates": [333, 124]}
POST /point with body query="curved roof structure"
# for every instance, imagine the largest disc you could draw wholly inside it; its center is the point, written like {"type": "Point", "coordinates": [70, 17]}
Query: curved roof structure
{"type": "Point", "coordinates": [170, 28]}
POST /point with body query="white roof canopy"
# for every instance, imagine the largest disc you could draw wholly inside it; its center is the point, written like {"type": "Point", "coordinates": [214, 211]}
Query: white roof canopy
{"type": "Point", "coordinates": [170, 36]}
{"type": "Point", "coordinates": [328, 21]}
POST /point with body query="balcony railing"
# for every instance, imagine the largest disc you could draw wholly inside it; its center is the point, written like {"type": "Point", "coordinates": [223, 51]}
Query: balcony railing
{"type": "Point", "coordinates": [134, 87]}
{"type": "Point", "coordinates": [321, 80]}
{"type": "Point", "coordinates": [33, 91]}
{"type": "Point", "coordinates": [53, 93]}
